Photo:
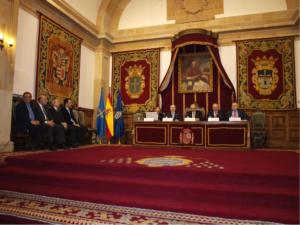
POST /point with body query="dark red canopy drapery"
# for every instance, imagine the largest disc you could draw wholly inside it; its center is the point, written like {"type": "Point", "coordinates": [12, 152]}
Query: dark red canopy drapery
{"type": "Point", "coordinates": [194, 41]}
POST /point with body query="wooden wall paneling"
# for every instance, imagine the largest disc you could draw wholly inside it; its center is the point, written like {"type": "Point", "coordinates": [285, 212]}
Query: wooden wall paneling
{"type": "Point", "coordinates": [279, 120]}
{"type": "Point", "coordinates": [294, 135]}
{"type": "Point", "coordinates": [294, 121]}
{"type": "Point", "coordinates": [279, 135]}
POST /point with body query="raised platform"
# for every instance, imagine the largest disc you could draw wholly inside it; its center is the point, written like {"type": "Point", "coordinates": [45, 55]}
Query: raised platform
{"type": "Point", "coordinates": [246, 185]}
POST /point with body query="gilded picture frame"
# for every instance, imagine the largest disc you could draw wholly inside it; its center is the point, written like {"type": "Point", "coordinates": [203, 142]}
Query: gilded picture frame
{"type": "Point", "coordinates": [195, 73]}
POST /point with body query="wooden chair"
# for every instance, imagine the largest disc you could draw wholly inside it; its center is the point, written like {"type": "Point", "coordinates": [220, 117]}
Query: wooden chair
{"type": "Point", "coordinates": [258, 133]}
{"type": "Point", "coordinates": [136, 117]}
{"type": "Point", "coordinates": [91, 131]}
{"type": "Point", "coordinates": [21, 140]}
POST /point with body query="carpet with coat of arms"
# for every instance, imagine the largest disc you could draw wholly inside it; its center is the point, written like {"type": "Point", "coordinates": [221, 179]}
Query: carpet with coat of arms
{"type": "Point", "coordinates": [62, 211]}
{"type": "Point", "coordinates": [266, 74]}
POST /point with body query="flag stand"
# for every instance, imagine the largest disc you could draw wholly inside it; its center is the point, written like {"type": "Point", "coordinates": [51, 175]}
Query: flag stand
{"type": "Point", "coordinates": [119, 142]}
{"type": "Point", "coordinates": [108, 142]}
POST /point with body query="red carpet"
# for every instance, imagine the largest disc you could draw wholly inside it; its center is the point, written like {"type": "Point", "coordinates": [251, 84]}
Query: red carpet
{"type": "Point", "coordinates": [229, 184]}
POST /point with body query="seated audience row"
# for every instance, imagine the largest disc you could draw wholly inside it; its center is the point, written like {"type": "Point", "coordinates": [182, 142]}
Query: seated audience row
{"type": "Point", "coordinates": [193, 113]}
{"type": "Point", "coordinates": [40, 120]}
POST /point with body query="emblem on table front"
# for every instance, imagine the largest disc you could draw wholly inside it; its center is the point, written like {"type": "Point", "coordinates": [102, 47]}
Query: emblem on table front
{"type": "Point", "coordinates": [135, 82]}
{"type": "Point", "coordinates": [186, 137]}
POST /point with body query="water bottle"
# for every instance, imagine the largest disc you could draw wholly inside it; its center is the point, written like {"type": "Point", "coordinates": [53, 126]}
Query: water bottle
{"type": "Point", "coordinates": [139, 118]}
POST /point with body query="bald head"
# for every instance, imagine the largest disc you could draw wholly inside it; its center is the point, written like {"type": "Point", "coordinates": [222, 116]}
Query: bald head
{"type": "Point", "coordinates": [193, 107]}
{"type": "Point", "coordinates": [42, 100]}
{"type": "Point", "coordinates": [215, 107]}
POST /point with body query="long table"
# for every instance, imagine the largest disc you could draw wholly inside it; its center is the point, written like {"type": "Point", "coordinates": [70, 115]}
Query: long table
{"type": "Point", "coordinates": [206, 135]}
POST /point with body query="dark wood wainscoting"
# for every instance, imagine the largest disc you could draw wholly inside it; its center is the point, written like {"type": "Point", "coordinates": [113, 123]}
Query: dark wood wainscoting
{"type": "Point", "coordinates": [282, 129]}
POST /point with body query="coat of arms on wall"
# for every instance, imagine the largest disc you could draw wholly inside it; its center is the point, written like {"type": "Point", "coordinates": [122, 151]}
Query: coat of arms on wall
{"type": "Point", "coordinates": [266, 74]}
{"type": "Point", "coordinates": [58, 62]}
{"type": "Point", "coordinates": [136, 74]}
{"type": "Point", "coordinates": [135, 81]}
{"type": "Point", "coordinates": [185, 11]}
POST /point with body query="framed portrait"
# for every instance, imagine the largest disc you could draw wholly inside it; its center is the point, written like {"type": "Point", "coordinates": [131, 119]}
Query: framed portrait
{"type": "Point", "coordinates": [195, 73]}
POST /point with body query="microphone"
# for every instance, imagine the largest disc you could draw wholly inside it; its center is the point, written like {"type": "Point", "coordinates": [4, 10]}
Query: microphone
{"type": "Point", "coordinates": [219, 115]}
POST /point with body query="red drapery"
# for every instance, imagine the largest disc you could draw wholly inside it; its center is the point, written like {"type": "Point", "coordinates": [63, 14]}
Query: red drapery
{"type": "Point", "coordinates": [223, 90]}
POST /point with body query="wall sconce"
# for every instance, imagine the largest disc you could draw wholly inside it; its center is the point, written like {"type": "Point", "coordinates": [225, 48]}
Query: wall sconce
{"type": "Point", "coordinates": [2, 42]}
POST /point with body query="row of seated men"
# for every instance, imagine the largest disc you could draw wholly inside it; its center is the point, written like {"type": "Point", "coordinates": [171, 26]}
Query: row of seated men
{"type": "Point", "coordinates": [214, 113]}
{"type": "Point", "coordinates": [40, 120]}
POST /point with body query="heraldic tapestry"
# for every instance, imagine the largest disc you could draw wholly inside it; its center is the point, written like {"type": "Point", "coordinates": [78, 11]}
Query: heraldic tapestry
{"type": "Point", "coordinates": [58, 62]}
{"type": "Point", "coordinates": [266, 74]}
{"type": "Point", "coordinates": [136, 74]}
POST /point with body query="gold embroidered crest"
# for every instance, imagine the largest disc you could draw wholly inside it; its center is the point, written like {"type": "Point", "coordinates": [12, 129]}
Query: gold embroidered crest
{"type": "Point", "coordinates": [135, 82]}
{"type": "Point", "coordinates": [265, 75]}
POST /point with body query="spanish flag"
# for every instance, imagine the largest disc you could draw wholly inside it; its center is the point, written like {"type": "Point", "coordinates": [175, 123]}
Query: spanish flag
{"type": "Point", "coordinates": [109, 114]}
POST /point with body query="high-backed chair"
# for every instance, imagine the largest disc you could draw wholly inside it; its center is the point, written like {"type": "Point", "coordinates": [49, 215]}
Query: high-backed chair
{"type": "Point", "coordinates": [21, 140]}
{"type": "Point", "coordinates": [258, 133]}
{"type": "Point", "coordinates": [202, 110]}
{"type": "Point", "coordinates": [136, 117]}
{"type": "Point", "coordinates": [91, 131]}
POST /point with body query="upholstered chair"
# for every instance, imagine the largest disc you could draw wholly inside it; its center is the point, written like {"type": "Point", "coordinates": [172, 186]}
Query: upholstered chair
{"type": "Point", "coordinates": [258, 133]}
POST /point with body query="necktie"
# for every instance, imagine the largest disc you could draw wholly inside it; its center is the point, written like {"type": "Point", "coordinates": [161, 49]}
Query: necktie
{"type": "Point", "coordinates": [193, 115]}
{"type": "Point", "coordinates": [44, 111]}
{"type": "Point", "coordinates": [70, 115]}
{"type": "Point", "coordinates": [31, 114]}
{"type": "Point", "coordinates": [234, 114]}
{"type": "Point", "coordinates": [173, 115]}
{"type": "Point", "coordinates": [216, 115]}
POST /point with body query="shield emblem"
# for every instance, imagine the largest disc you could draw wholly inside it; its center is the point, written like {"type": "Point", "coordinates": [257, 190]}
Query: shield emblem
{"type": "Point", "coordinates": [135, 84]}
{"type": "Point", "coordinates": [265, 78]}
{"type": "Point", "coordinates": [187, 136]}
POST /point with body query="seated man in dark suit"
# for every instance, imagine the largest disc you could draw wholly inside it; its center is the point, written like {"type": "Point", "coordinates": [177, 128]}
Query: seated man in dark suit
{"type": "Point", "coordinates": [69, 117]}
{"type": "Point", "coordinates": [235, 112]}
{"type": "Point", "coordinates": [194, 114]}
{"type": "Point", "coordinates": [44, 116]}
{"type": "Point", "coordinates": [59, 119]}
{"type": "Point", "coordinates": [25, 120]}
{"type": "Point", "coordinates": [173, 113]}
{"type": "Point", "coordinates": [159, 114]}
{"type": "Point", "coordinates": [216, 113]}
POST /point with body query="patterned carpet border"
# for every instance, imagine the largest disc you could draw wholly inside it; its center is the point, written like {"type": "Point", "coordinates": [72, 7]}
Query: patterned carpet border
{"type": "Point", "coordinates": [63, 211]}
{"type": "Point", "coordinates": [8, 154]}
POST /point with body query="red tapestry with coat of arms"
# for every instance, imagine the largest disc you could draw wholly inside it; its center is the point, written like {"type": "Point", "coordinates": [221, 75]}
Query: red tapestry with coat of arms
{"type": "Point", "coordinates": [136, 74]}
{"type": "Point", "coordinates": [58, 62]}
{"type": "Point", "coordinates": [266, 74]}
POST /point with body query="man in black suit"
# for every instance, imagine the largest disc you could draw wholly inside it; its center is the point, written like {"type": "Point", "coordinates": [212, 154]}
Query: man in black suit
{"type": "Point", "coordinates": [26, 120]}
{"type": "Point", "coordinates": [216, 113]}
{"type": "Point", "coordinates": [59, 119]}
{"type": "Point", "coordinates": [173, 113]}
{"type": "Point", "coordinates": [235, 112]}
{"type": "Point", "coordinates": [194, 114]}
{"type": "Point", "coordinates": [44, 116]}
{"type": "Point", "coordinates": [159, 114]}
{"type": "Point", "coordinates": [69, 117]}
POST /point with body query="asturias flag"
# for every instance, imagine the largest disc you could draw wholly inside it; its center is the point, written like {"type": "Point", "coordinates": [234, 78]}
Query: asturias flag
{"type": "Point", "coordinates": [119, 121]}
{"type": "Point", "coordinates": [109, 118]}
{"type": "Point", "coordinates": [101, 122]}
